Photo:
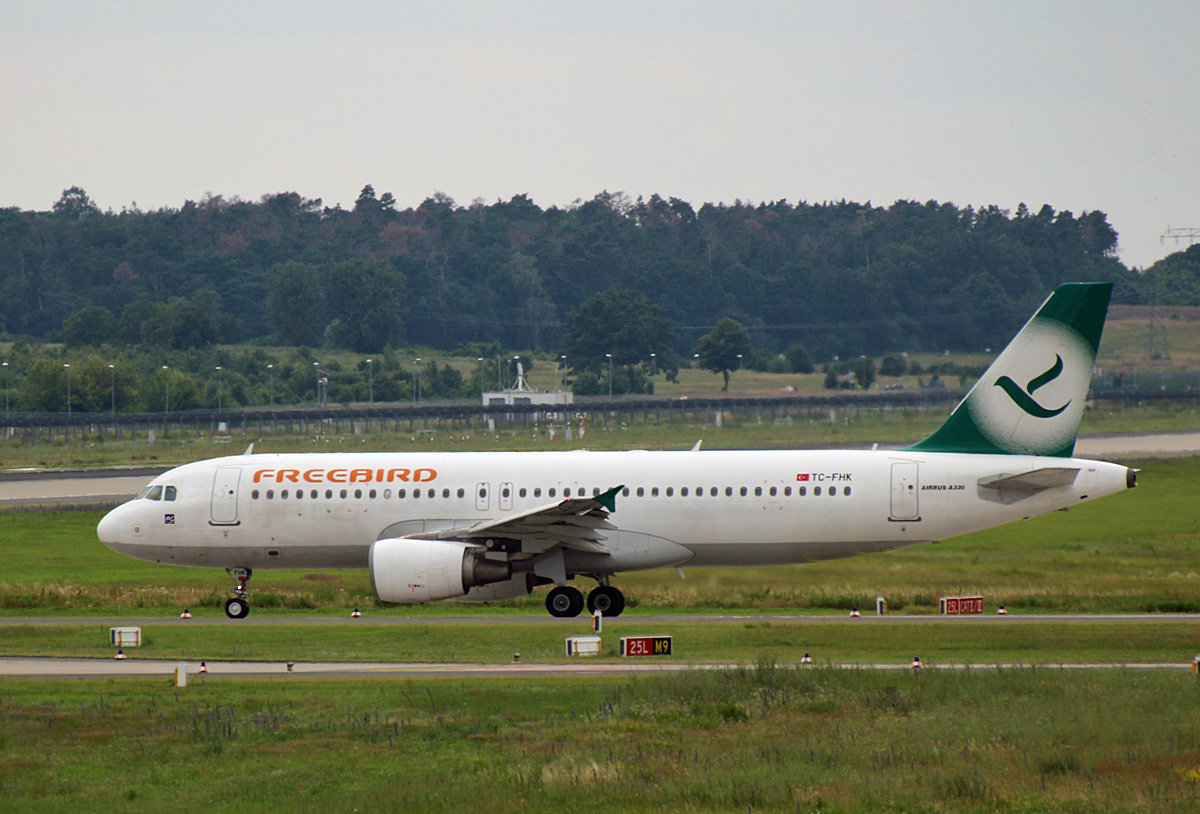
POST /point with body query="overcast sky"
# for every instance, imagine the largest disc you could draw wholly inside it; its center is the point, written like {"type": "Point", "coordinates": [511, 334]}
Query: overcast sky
{"type": "Point", "coordinates": [1081, 105]}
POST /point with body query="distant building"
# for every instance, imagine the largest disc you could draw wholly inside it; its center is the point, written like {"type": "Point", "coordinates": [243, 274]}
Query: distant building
{"type": "Point", "coordinates": [522, 396]}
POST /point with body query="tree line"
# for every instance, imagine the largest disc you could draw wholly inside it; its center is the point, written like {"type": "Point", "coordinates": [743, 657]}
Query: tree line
{"type": "Point", "coordinates": [802, 281]}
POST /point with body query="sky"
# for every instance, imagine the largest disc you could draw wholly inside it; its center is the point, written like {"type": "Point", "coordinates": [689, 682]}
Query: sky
{"type": "Point", "coordinates": [1079, 105]}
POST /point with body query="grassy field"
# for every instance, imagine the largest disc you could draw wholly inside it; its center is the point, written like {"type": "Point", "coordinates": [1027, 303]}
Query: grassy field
{"type": "Point", "coordinates": [760, 738]}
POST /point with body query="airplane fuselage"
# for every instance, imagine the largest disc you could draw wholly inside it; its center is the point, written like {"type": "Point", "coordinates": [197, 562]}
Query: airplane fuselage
{"type": "Point", "coordinates": [324, 511]}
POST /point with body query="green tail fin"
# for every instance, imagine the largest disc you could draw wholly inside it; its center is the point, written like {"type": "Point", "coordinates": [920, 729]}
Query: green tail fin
{"type": "Point", "coordinates": [1030, 400]}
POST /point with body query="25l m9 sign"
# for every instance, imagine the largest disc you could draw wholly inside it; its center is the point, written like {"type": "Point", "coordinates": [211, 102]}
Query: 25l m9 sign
{"type": "Point", "coordinates": [645, 645]}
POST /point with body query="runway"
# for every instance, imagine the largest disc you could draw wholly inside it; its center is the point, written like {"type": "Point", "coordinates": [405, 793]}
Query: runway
{"type": "Point", "coordinates": [109, 668]}
{"type": "Point", "coordinates": [263, 618]}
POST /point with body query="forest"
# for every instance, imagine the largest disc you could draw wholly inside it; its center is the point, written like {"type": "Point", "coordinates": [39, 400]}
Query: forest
{"type": "Point", "coordinates": [834, 278]}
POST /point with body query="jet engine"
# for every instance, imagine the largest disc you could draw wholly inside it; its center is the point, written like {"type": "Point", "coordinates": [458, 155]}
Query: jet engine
{"type": "Point", "coordinates": [414, 571]}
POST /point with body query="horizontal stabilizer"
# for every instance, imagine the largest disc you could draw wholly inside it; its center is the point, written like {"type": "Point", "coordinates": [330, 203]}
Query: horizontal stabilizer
{"type": "Point", "coordinates": [1030, 483]}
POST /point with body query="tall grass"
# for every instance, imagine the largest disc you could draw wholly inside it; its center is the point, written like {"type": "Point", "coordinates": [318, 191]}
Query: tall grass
{"type": "Point", "coordinates": [759, 738]}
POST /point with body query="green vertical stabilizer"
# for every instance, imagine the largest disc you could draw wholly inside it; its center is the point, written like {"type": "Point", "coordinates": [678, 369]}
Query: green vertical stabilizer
{"type": "Point", "coordinates": [1029, 402]}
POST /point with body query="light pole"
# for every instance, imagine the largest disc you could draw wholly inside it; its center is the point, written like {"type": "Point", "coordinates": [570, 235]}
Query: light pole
{"type": "Point", "coordinates": [739, 371]}
{"type": "Point", "coordinates": [417, 367]}
{"type": "Point", "coordinates": [166, 400]}
{"type": "Point", "coordinates": [479, 372]}
{"type": "Point", "coordinates": [271, 378]}
{"type": "Point", "coordinates": [558, 382]}
{"type": "Point", "coordinates": [370, 381]}
{"type": "Point", "coordinates": [6, 391]}
{"type": "Point", "coordinates": [609, 355]}
{"type": "Point", "coordinates": [218, 388]}
{"type": "Point", "coordinates": [113, 372]}
{"type": "Point", "coordinates": [68, 367]}
{"type": "Point", "coordinates": [696, 356]}
{"type": "Point", "coordinates": [653, 365]}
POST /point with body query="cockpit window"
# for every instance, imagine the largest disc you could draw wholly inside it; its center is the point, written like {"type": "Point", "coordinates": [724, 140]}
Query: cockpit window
{"type": "Point", "coordinates": [169, 493]}
{"type": "Point", "coordinates": [153, 493]}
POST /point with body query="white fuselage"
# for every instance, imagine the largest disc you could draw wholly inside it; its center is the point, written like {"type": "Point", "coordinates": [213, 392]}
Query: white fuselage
{"type": "Point", "coordinates": [324, 510]}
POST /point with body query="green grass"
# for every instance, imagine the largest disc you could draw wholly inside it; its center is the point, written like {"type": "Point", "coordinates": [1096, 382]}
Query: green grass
{"type": "Point", "coordinates": [760, 738]}
{"type": "Point", "coordinates": [1010, 641]}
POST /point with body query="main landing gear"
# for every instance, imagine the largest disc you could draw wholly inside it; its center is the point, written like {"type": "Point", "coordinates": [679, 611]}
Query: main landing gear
{"type": "Point", "coordinates": [567, 601]}
{"type": "Point", "coordinates": [238, 604]}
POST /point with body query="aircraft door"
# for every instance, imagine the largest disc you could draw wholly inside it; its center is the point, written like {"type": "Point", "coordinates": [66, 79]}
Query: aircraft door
{"type": "Point", "coordinates": [224, 496]}
{"type": "Point", "coordinates": [506, 497]}
{"type": "Point", "coordinates": [481, 497]}
{"type": "Point", "coordinates": [905, 488]}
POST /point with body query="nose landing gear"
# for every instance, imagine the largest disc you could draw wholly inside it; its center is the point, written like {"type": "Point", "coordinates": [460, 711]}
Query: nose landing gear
{"type": "Point", "coordinates": [238, 604]}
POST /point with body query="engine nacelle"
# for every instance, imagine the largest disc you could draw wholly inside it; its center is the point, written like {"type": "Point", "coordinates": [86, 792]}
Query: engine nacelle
{"type": "Point", "coordinates": [414, 571]}
{"type": "Point", "coordinates": [520, 585]}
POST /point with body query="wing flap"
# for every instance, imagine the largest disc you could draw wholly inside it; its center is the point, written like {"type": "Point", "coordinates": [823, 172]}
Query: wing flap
{"type": "Point", "coordinates": [575, 523]}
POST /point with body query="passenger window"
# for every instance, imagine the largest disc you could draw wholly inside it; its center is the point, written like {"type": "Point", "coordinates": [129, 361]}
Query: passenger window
{"type": "Point", "coordinates": [641, 491]}
{"type": "Point", "coordinates": [432, 493]}
{"type": "Point", "coordinates": [728, 491]}
{"type": "Point", "coordinates": [758, 491]}
{"type": "Point", "coordinates": [329, 494]}
{"type": "Point", "coordinates": [520, 492]}
{"type": "Point", "coordinates": [817, 491]}
{"type": "Point", "coordinates": [682, 492]}
{"type": "Point", "coordinates": [401, 493]}
{"type": "Point", "coordinates": [537, 491]}
{"type": "Point", "coordinates": [787, 491]}
{"type": "Point", "coordinates": [567, 492]}
{"type": "Point", "coordinates": [653, 491]}
{"type": "Point", "coordinates": [358, 494]}
{"type": "Point", "coordinates": [299, 494]}
{"type": "Point", "coordinates": [832, 491]}
{"type": "Point", "coordinates": [254, 495]}
{"type": "Point", "coordinates": [170, 493]}
{"type": "Point", "coordinates": [712, 491]}
{"type": "Point", "coordinates": [463, 493]}
{"type": "Point", "coordinates": [846, 491]}
{"type": "Point", "coordinates": [505, 492]}
{"type": "Point", "coordinates": [270, 494]}
{"type": "Point", "coordinates": [283, 494]}
{"type": "Point", "coordinates": [744, 491]}
{"type": "Point", "coordinates": [596, 491]}
{"type": "Point", "coordinates": [313, 494]}
{"type": "Point", "coordinates": [802, 491]}
{"type": "Point", "coordinates": [773, 491]}
{"type": "Point", "coordinates": [387, 493]}
{"type": "Point", "coordinates": [550, 492]}
{"type": "Point", "coordinates": [416, 493]}
{"type": "Point", "coordinates": [343, 494]}
{"type": "Point", "coordinates": [670, 491]}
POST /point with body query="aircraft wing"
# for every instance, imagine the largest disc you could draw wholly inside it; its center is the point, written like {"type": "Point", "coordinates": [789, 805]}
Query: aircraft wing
{"type": "Point", "coordinates": [575, 523]}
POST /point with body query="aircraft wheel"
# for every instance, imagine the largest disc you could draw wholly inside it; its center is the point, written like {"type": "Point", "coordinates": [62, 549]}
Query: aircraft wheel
{"type": "Point", "coordinates": [237, 608]}
{"type": "Point", "coordinates": [564, 602]}
{"type": "Point", "coordinates": [606, 599]}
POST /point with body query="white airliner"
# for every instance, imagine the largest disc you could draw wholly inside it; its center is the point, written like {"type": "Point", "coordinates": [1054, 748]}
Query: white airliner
{"type": "Point", "coordinates": [494, 525]}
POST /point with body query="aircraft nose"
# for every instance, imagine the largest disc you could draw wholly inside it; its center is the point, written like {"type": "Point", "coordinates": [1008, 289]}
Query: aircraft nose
{"type": "Point", "coordinates": [109, 528]}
